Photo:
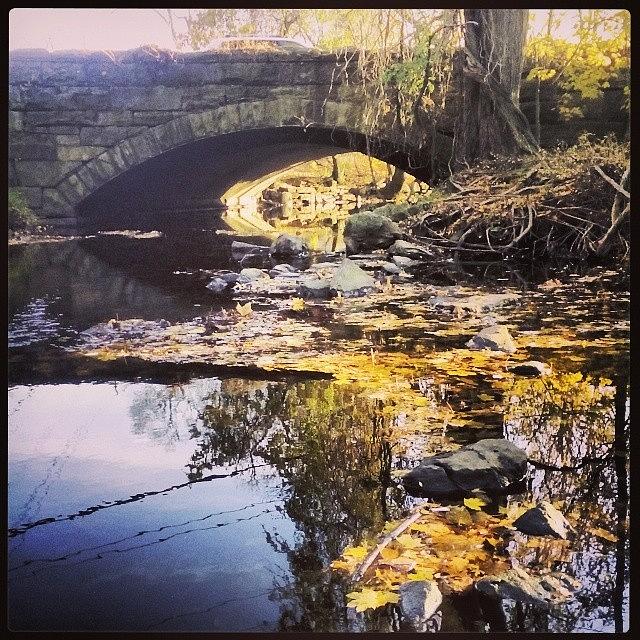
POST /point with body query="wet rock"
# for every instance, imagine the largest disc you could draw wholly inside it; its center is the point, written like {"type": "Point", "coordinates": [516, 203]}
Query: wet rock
{"type": "Point", "coordinates": [164, 324]}
{"type": "Point", "coordinates": [286, 248]}
{"type": "Point", "coordinates": [419, 600]}
{"type": "Point", "coordinates": [397, 212]}
{"type": "Point", "coordinates": [531, 369]}
{"type": "Point", "coordinates": [283, 270]}
{"type": "Point", "coordinates": [391, 268]}
{"type": "Point", "coordinates": [495, 338]}
{"type": "Point", "coordinates": [409, 250]}
{"type": "Point", "coordinates": [543, 520]}
{"type": "Point", "coordinates": [493, 466]}
{"type": "Point", "coordinates": [250, 275]}
{"type": "Point", "coordinates": [230, 278]}
{"type": "Point", "coordinates": [240, 249]}
{"type": "Point", "coordinates": [315, 288]}
{"type": "Point", "coordinates": [478, 303]}
{"type": "Point", "coordinates": [366, 230]}
{"type": "Point", "coordinates": [218, 286]}
{"type": "Point", "coordinates": [516, 584]}
{"type": "Point", "coordinates": [252, 260]}
{"type": "Point", "coordinates": [403, 262]}
{"type": "Point", "coordinates": [351, 280]}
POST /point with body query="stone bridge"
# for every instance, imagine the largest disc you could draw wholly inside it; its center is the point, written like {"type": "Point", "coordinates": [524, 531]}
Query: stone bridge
{"type": "Point", "coordinates": [98, 138]}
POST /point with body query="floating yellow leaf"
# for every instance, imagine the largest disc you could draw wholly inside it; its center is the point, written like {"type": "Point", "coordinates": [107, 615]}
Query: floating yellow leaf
{"type": "Point", "coordinates": [343, 565]}
{"type": "Point", "coordinates": [421, 574]}
{"type": "Point", "coordinates": [369, 598]}
{"type": "Point", "coordinates": [356, 553]}
{"type": "Point", "coordinates": [485, 397]}
{"type": "Point", "coordinates": [421, 401]}
{"type": "Point", "coordinates": [389, 554]}
{"type": "Point", "coordinates": [604, 534]}
{"type": "Point", "coordinates": [474, 503]}
{"type": "Point", "coordinates": [244, 310]}
{"type": "Point", "coordinates": [297, 304]}
{"type": "Point", "coordinates": [406, 541]}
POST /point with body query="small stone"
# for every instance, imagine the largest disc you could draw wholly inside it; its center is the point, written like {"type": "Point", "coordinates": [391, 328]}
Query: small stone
{"type": "Point", "coordinates": [409, 250]}
{"type": "Point", "coordinates": [390, 267]}
{"type": "Point", "coordinates": [283, 269]}
{"type": "Point", "coordinates": [495, 338]}
{"type": "Point", "coordinates": [164, 324]}
{"type": "Point", "coordinates": [351, 280]}
{"type": "Point", "coordinates": [543, 520]}
{"type": "Point", "coordinates": [250, 275]}
{"type": "Point", "coordinates": [419, 600]}
{"type": "Point", "coordinates": [403, 262]}
{"type": "Point", "coordinates": [531, 369]}
{"type": "Point", "coordinates": [240, 249]}
{"type": "Point", "coordinates": [218, 286]}
{"type": "Point", "coordinates": [365, 230]}
{"type": "Point", "coordinates": [287, 247]}
{"type": "Point", "coordinates": [230, 278]}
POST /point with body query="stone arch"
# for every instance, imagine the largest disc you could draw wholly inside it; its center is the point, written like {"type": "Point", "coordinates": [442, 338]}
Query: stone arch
{"type": "Point", "coordinates": [282, 111]}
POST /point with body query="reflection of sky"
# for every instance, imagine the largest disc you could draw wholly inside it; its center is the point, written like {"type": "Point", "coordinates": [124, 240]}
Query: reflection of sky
{"type": "Point", "coordinates": [72, 447]}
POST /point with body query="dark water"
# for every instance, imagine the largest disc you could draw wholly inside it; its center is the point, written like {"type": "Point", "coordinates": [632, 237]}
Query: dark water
{"type": "Point", "coordinates": [216, 503]}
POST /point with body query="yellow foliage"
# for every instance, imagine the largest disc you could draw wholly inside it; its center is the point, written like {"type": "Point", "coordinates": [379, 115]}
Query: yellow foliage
{"type": "Point", "coordinates": [368, 598]}
{"type": "Point", "coordinates": [474, 503]}
{"type": "Point", "coordinates": [297, 304]}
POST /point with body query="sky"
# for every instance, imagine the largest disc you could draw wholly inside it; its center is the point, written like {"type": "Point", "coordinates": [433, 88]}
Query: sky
{"type": "Point", "coordinates": [97, 29]}
{"type": "Point", "coordinates": [92, 29]}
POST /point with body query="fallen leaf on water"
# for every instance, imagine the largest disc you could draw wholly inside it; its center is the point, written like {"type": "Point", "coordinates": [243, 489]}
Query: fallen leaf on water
{"type": "Point", "coordinates": [244, 310]}
{"type": "Point", "coordinates": [356, 553]}
{"type": "Point", "coordinates": [369, 598]}
{"type": "Point", "coordinates": [604, 534]}
{"type": "Point", "coordinates": [474, 503]}
{"type": "Point", "coordinates": [297, 304]}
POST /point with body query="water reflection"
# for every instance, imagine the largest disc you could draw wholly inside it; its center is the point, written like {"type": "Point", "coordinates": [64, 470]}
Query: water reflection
{"type": "Point", "coordinates": [569, 425]}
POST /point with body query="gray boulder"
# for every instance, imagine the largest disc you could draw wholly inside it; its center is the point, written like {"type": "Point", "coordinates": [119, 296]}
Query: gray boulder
{"type": "Point", "coordinates": [286, 248]}
{"type": "Point", "coordinates": [315, 288]}
{"type": "Point", "coordinates": [495, 338]}
{"type": "Point", "coordinates": [531, 369]}
{"type": "Point", "coordinates": [250, 275]}
{"type": "Point", "coordinates": [365, 231]}
{"type": "Point", "coordinates": [493, 466]}
{"type": "Point", "coordinates": [397, 212]}
{"type": "Point", "coordinates": [516, 584]}
{"type": "Point", "coordinates": [351, 280]}
{"type": "Point", "coordinates": [404, 262]}
{"type": "Point", "coordinates": [543, 520]}
{"type": "Point", "coordinates": [419, 600]}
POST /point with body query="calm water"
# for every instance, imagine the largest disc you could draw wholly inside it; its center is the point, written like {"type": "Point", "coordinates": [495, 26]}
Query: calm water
{"type": "Point", "coordinates": [173, 502]}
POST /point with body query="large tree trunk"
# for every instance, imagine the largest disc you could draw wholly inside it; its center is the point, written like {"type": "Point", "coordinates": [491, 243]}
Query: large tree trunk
{"type": "Point", "coordinates": [490, 121]}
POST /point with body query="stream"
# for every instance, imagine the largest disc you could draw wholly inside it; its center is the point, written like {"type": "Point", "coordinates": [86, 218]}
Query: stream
{"type": "Point", "coordinates": [165, 496]}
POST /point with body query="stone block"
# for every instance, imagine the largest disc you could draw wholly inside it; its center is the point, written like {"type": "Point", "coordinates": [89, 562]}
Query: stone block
{"type": "Point", "coordinates": [154, 98]}
{"type": "Point", "coordinates": [154, 118]}
{"type": "Point", "coordinates": [119, 118]}
{"type": "Point", "coordinates": [42, 173]}
{"type": "Point", "coordinates": [107, 136]}
{"type": "Point", "coordinates": [67, 140]}
{"type": "Point", "coordinates": [31, 146]}
{"type": "Point", "coordinates": [79, 153]}
{"type": "Point", "coordinates": [174, 133]}
{"type": "Point", "coordinates": [54, 199]}
{"type": "Point", "coordinates": [68, 98]}
{"type": "Point", "coordinates": [16, 120]}
{"type": "Point", "coordinates": [73, 189]}
{"type": "Point", "coordinates": [32, 196]}
{"type": "Point", "coordinates": [63, 117]}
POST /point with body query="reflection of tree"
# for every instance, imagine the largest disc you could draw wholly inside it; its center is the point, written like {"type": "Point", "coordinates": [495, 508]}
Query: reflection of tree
{"type": "Point", "coordinates": [568, 423]}
{"type": "Point", "coordinates": [329, 447]}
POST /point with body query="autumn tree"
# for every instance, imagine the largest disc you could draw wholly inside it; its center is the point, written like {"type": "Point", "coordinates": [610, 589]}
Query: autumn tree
{"type": "Point", "coordinates": [490, 121]}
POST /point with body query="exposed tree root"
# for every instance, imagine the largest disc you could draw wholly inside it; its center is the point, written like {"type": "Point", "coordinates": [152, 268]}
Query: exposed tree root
{"type": "Point", "coordinates": [566, 203]}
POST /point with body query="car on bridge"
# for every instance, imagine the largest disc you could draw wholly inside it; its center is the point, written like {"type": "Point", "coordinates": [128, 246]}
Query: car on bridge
{"type": "Point", "coordinates": [267, 43]}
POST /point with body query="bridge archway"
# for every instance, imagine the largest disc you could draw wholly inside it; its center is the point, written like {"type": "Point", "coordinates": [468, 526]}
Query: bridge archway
{"type": "Point", "coordinates": [198, 157]}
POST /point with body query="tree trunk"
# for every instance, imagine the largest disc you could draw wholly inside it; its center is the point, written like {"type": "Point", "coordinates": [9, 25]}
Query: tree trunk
{"type": "Point", "coordinates": [490, 121]}
{"type": "Point", "coordinates": [394, 185]}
